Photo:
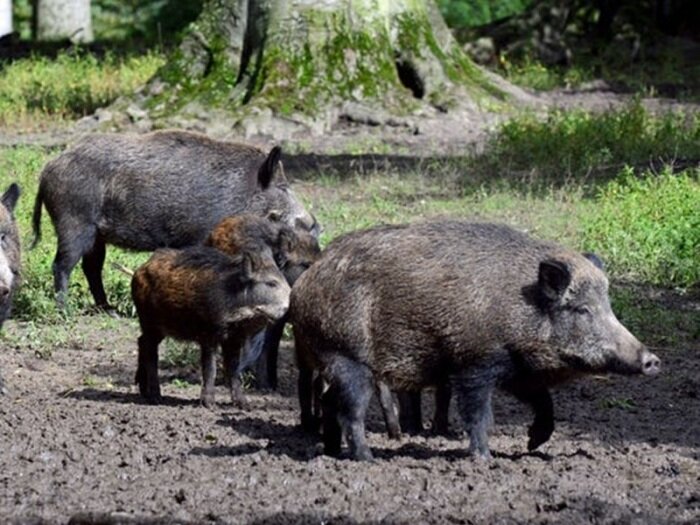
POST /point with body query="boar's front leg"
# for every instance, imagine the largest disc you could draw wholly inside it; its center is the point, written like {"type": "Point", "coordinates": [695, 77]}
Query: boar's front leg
{"type": "Point", "coordinates": [543, 426]}
{"type": "Point", "coordinates": [208, 357]}
{"type": "Point", "coordinates": [410, 413]}
{"type": "Point", "coordinates": [231, 348]}
{"type": "Point", "coordinates": [540, 400]}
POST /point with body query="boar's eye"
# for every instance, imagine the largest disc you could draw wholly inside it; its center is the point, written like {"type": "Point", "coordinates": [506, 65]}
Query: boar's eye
{"type": "Point", "coordinates": [272, 284]}
{"type": "Point", "coordinates": [584, 310]}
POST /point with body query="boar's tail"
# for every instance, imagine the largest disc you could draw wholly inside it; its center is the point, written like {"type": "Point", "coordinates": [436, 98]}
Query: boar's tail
{"type": "Point", "coordinates": [36, 219]}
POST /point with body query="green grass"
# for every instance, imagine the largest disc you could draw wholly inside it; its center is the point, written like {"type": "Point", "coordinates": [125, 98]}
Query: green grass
{"type": "Point", "coordinates": [533, 74]}
{"type": "Point", "coordinates": [35, 299]}
{"type": "Point", "coordinates": [37, 92]}
{"type": "Point", "coordinates": [648, 227]}
{"type": "Point", "coordinates": [577, 144]}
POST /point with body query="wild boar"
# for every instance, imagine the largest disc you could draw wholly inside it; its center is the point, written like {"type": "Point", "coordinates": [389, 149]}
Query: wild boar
{"type": "Point", "coordinates": [200, 294]}
{"type": "Point", "coordinates": [161, 189]}
{"type": "Point", "coordinates": [293, 249]}
{"type": "Point", "coordinates": [477, 305]}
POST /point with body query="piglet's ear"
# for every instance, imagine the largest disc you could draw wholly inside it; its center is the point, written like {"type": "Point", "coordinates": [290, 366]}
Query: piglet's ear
{"type": "Point", "coordinates": [9, 198]}
{"type": "Point", "coordinates": [247, 263]}
{"type": "Point", "coordinates": [554, 278]}
{"type": "Point", "coordinates": [267, 170]}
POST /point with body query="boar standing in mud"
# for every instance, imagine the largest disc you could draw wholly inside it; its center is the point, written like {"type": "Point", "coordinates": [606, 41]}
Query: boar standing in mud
{"type": "Point", "coordinates": [477, 305]}
{"type": "Point", "coordinates": [293, 249]}
{"type": "Point", "coordinates": [161, 189]}
{"type": "Point", "coordinates": [200, 294]}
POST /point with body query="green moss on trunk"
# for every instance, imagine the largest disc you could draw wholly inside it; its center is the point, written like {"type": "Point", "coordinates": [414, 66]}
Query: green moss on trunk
{"type": "Point", "coordinates": [306, 59]}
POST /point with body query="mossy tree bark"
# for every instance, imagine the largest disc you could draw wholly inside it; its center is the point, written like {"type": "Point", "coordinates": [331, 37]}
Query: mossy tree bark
{"type": "Point", "coordinates": [303, 60]}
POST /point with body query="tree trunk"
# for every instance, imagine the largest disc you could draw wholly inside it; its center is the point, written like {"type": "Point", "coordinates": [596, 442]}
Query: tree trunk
{"type": "Point", "coordinates": [5, 17]}
{"type": "Point", "coordinates": [64, 19]}
{"type": "Point", "coordinates": [303, 62]}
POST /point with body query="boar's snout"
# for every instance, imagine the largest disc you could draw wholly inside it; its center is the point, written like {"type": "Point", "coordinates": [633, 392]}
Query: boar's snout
{"type": "Point", "coordinates": [651, 365]}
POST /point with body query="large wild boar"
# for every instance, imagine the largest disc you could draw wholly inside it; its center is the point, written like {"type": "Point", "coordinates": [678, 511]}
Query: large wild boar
{"type": "Point", "coordinates": [162, 189]}
{"type": "Point", "coordinates": [200, 294]}
{"type": "Point", "coordinates": [478, 305]}
{"type": "Point", "coordinates": [293, 249]}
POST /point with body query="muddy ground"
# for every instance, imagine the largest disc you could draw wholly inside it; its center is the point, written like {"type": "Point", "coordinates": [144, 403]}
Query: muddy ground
{"type": "Point", "coordinates": [77, 443]}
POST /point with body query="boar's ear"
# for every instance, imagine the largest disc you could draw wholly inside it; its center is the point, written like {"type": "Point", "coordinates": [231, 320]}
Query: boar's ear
{"type": "Point", "coordinates": [9, 198]}
{"type": "Point", "coordinates": [267, 171]}
{"type": "Point", "coordinates": [597, 261]}
{"type": "Point", "coordinates": [554, 277]}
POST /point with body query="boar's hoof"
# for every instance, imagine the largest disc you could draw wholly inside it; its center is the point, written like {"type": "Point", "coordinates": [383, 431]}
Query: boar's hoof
{"type": "Point", "coordinates": [362, 454]}
{"type": "Point", "coordinates": [154, 399]}
{"type": "Point", "coordinates": [480, 455]}
{"type": "Point", "coordinates": [311, 425]}
{"type": "Point", "coordinates": [440, 428]}
{"type": "Point", "coordinates": [239, 401]}
{"type": "Point", "coordinates": [539, 434]}
{"type": "Point", "coordinates": [150, 393]}
{"type": "Point", "coordinates": [208, 401]}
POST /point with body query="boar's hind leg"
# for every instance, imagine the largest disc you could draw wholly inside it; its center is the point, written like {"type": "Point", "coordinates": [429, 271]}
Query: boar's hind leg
{"type": "Point", "coordinates": [351, 391]}
{"type": "Point", "coordinates": [332, 434]}
{"type": "Point", "coordinates": [391, 419]}
{"type": "Point", "coordinates": [93, 260]}
{"type": "Point", "coordinates": [71, 247]}
{"type": "Point", "coordinates": [266, 369]}
{"type": "Point", "coordinates": [541, 402]}
{"type": "Point", "coordinates": [305, 383]}
{"type": "Point", "coordinates": [442, 409]}
{"type": "Point", "coordinates": [410, 412]}
{"type": "Point", "coordinates": [147, 371]}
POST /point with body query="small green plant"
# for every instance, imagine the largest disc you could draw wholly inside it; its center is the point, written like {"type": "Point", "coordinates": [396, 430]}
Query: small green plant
{"type": "Point", "coordinates": [619, 403]}
{"type": "Point", "coordinates": [648, 227]}
{"type": "Point", "coordinates": [577, 143]}
{"type": "Point", "coordinates": [37, 91]}
{"type": "Point", "coordinates": [180, 383]}
{"type": "Point", "coordinates": [533, 74]}
{"type": "Point", "coordinates": [179, 354]}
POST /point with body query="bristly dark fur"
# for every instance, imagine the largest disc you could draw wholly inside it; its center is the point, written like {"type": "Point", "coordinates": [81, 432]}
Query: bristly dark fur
{"type": "Point", "coordinates": [472, 305]}
{"type": "Point", "coordinates": [161, 189]}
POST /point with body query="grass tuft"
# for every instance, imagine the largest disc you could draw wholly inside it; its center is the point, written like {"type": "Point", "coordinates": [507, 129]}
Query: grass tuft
{"type": "Point", "coordinates": [38, 91]}
{"type": "Point", "coordinates": [648, 227]}
{"type": "Point", "coordinates": [576, 144]}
